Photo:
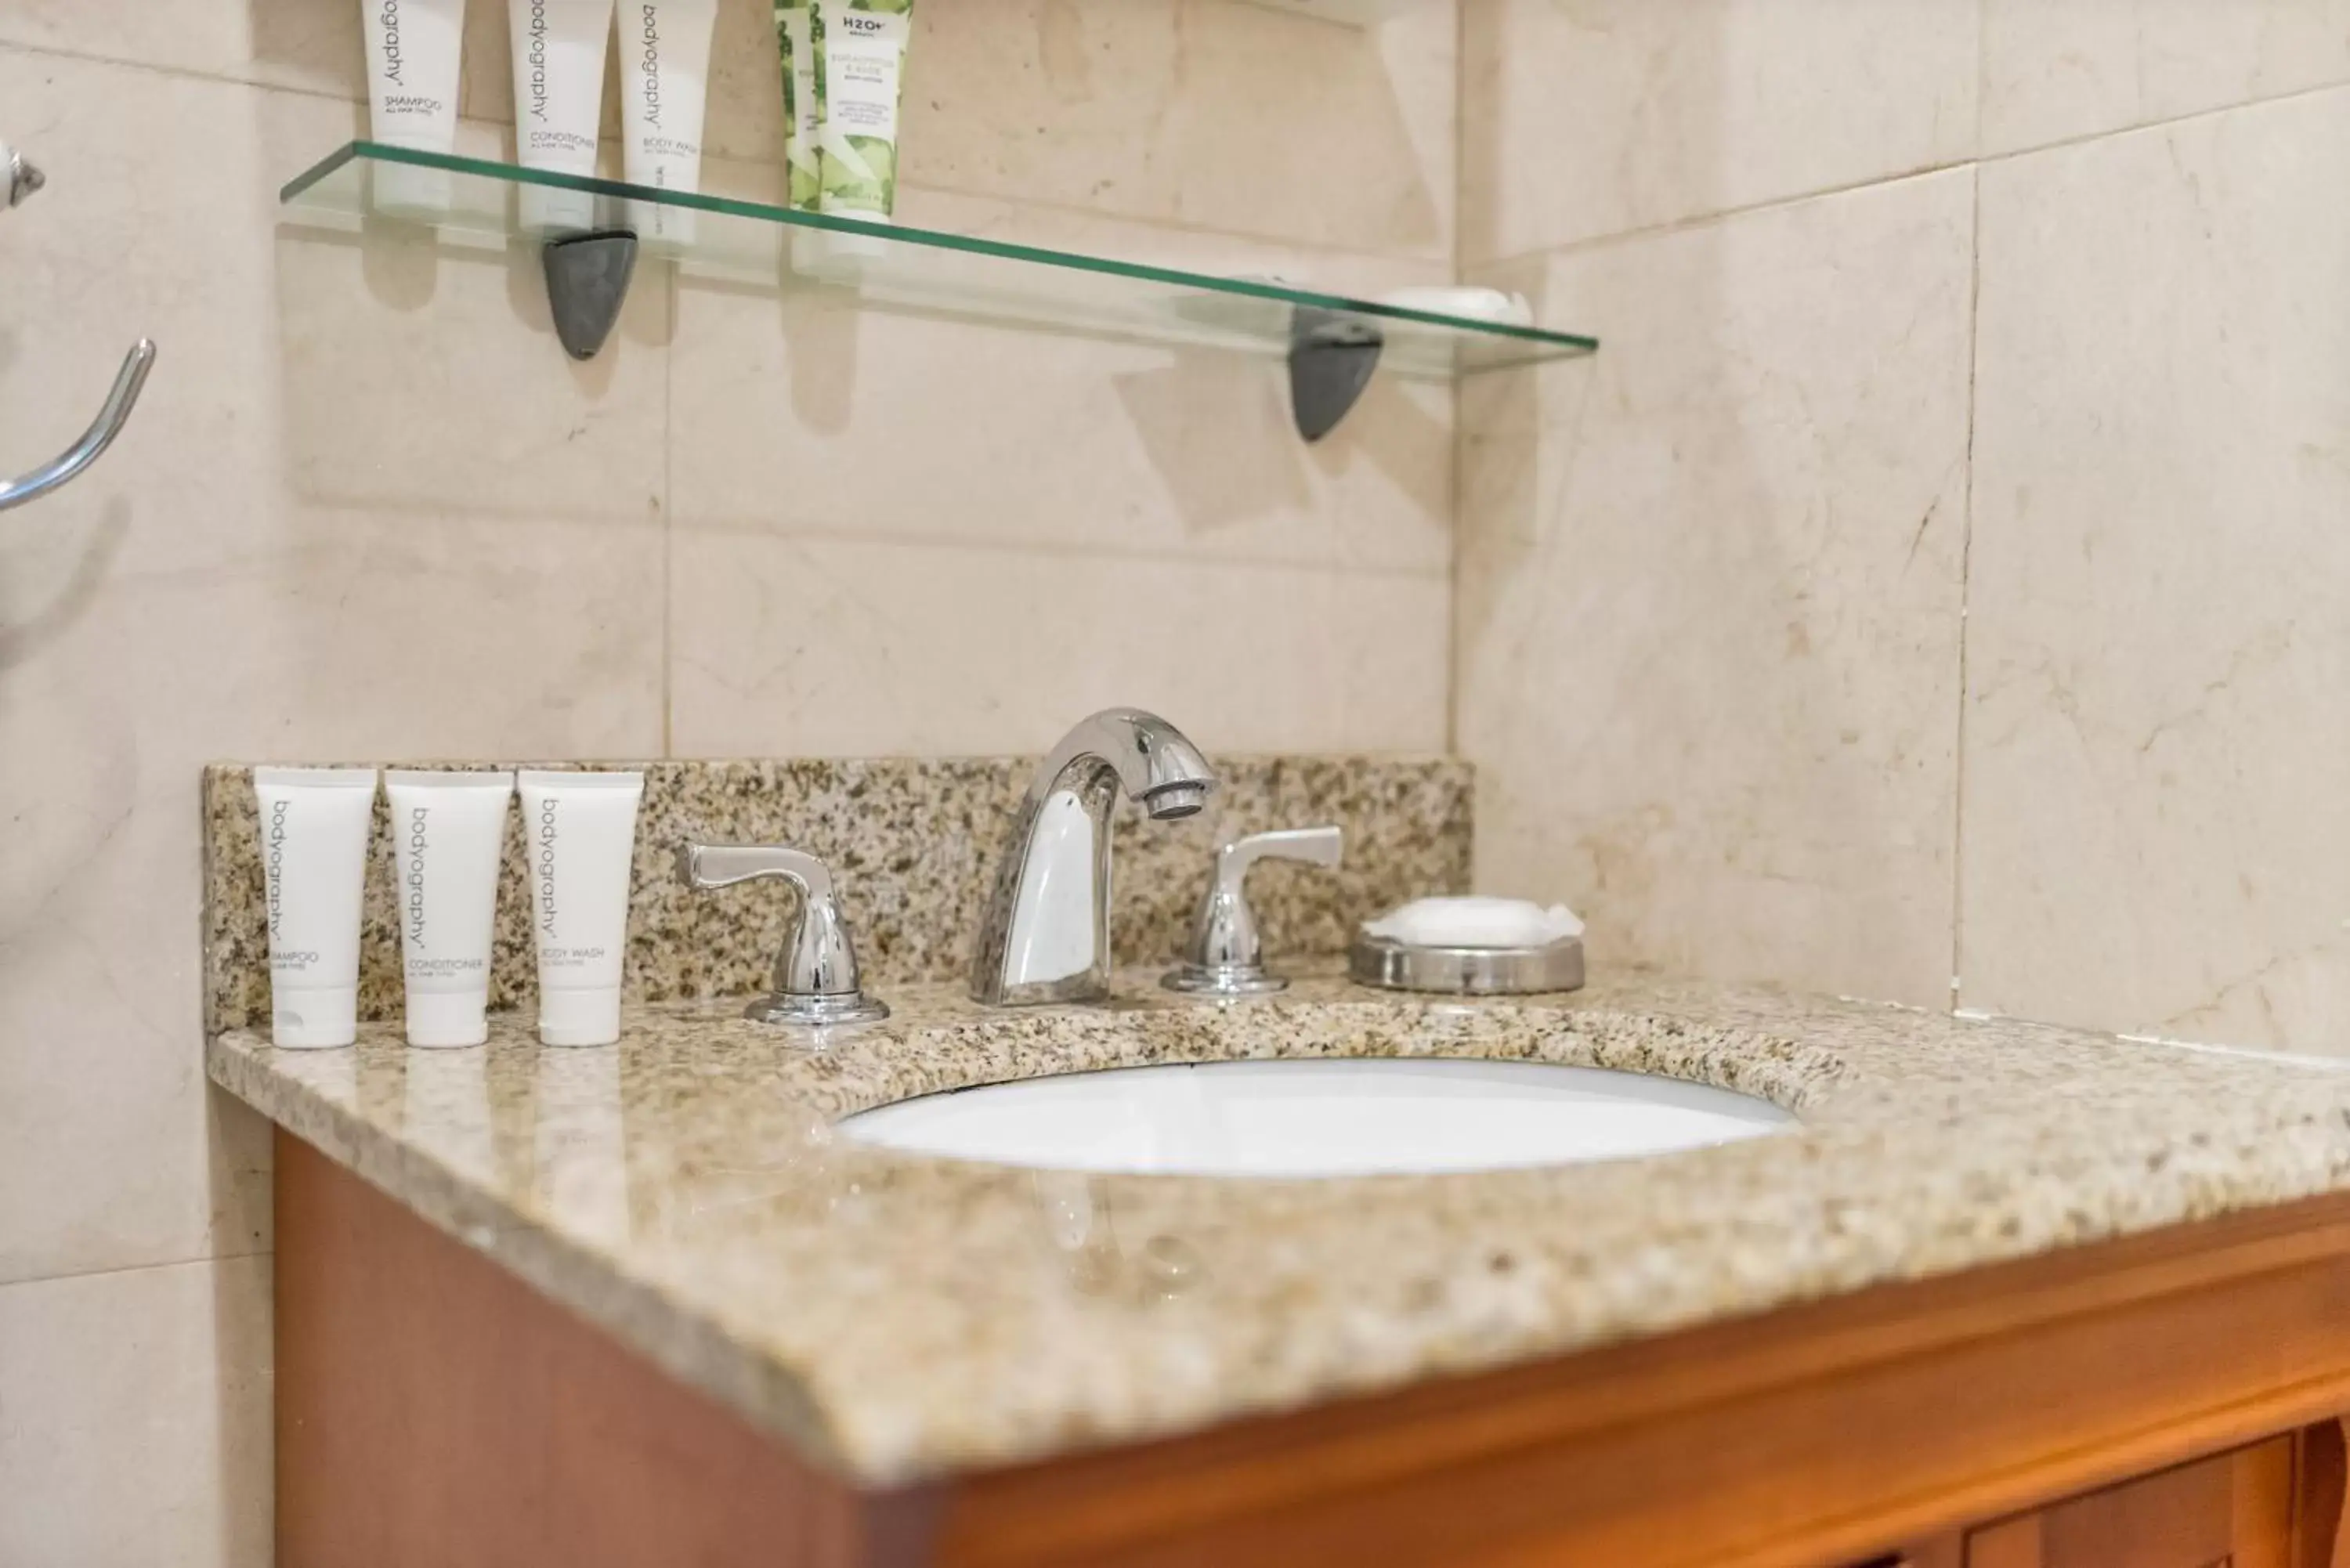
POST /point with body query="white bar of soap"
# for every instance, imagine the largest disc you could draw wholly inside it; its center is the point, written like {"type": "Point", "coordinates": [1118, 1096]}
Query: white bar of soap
{"type": "Point", "coordinates": [1476, 923]}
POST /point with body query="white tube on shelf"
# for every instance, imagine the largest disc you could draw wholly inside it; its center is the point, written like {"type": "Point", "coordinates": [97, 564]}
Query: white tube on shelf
{"type": "Point", "coordinates": [314, 835]}
{"type": "Point", "coordinates": [413, 47]}
{"type": "Point", "coordinates": [447, 830]}
{"type": "Point", "coordinates": [558, 65]}
{"type": "Point", "coordinates": [580, 833]}
{"type": "Point", "coordinates": [665, 89]}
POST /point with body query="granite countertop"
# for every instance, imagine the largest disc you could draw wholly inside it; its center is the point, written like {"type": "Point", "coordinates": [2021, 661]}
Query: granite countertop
{"type": "Point", "coordinates": [897, 1318]}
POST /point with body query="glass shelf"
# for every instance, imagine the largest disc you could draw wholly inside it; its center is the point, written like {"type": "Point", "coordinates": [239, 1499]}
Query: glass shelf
{"type": "Point", "coordinates": [893, 266]}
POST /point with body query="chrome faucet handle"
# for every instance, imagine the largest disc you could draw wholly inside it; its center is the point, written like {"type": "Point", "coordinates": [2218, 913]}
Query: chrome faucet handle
{"type": "Point", "coordinates": [1227, 954]}
{"type": "Point", "coordinates": [815, 975]}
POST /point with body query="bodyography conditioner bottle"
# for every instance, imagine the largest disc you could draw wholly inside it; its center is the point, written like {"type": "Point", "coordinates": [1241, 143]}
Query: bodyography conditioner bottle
{"type": "Point", "coordinates": [447, 830]}
{"type": "Point", "coordinates": [558, 89]}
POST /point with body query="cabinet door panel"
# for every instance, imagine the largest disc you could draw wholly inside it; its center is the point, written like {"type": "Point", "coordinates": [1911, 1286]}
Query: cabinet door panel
{"type": "Point", "coordinates": [2232, 1511]}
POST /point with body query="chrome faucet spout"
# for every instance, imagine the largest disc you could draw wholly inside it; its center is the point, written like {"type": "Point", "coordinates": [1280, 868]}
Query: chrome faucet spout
{"type": "Point", "coordinates": [1046, 933]}
{"type": "Point", "coordinates": [1157, 766]}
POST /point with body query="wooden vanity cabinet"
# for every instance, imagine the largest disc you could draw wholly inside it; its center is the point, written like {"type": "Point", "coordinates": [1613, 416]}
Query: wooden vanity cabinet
{"type": "Point", "coordinates": [2270, 1504]}
{"type": "Point", "coordinates": [2170, 1400]}
{"type": "Point", "coordinates": [2235, 1510]}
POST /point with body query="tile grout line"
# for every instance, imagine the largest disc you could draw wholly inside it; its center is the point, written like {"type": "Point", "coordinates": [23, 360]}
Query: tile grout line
{"type": "Point", "coordinates": [207, 1259]}
{"type": "Point", "coordinates": [750, 527]}
{"type": "Point", "coordinates": [1459, 258]}
{"type": "Point", "coordinates": [1967, 523]}
{"type": "Point", "coordinates": [1966, 594]}
{"type": "Point", "coordinates": [1897, 177]}
{"type": "Point", "coordinates": [1697, 221]}
{"type": "Point", "coordinates": [1983, 72]}
{"type": "Point", "coordinates": [669, 524]}
{"type": "Point", "coordinates": [1453, 620]}
{"type": "Point", "coordinates": [2165, 123]}
{"type": "Point", "coordinates": [178, 73]}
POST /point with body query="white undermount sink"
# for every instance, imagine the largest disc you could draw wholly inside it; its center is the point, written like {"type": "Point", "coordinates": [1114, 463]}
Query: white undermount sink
{"type": "Point", "coordinates": [1318, 1119]}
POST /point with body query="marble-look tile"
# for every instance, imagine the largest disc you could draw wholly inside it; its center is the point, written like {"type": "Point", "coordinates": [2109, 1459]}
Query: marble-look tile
{"type": "Point", "coordinates": [427, 379]}
{"type": "Point", "coordinates": [803, 646]}
{"type": "Point", "coordinates": [1707, 657]}
{"type": "Point", "coordinates": [134, 1417]}
{"type": "Point", "coordinates": [110, 1149]}
{"type": "Point", "coordinates": [1184, 111]}
{"type": "Point", "coordinates": [308, 45]}
{"type": "Point", "coordinates": [2053, 73]}
{"type": "Point", "coordinates": [744, 115]}
{"type": "Point", "coordinates": [2156, 812]}
{"type": "Point", "coordinates": [856, 501]}
{"type": "Point", "coordinates": [1187, 112]}
{"type": "Point", "coordinates": [365, 505]}
{"type": "Point", "coordinates": [1193, 112]}
{"type": "Point", "coordinates": [1581, 119]}
{"type": "Point", "coordinates": [913, 847]}
{"type": "Point", "coordinates": [820, 415]}
{"type": "Point", "coordinates": [1161, 111]}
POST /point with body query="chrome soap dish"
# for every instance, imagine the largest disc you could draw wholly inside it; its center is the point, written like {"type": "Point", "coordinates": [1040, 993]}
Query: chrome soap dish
{"type": "Point", "coordinates": [1471, 946]}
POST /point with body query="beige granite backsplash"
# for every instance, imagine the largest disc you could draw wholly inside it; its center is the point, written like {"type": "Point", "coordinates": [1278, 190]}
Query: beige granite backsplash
{"type": "Point", "coordinates": [913, 847]}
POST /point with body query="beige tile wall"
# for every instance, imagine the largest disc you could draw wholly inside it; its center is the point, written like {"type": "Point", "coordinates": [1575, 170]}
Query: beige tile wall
{"type": "Point", "coordinates": [1941, 571]}
{"type": "Point", "coordinates": [1707, 655]}
{"type": "Point", "coordinates": [368, 508]}
{"type": "Point", "coordinates": [1936, 575]}
{"type": "Point", "coordinates": [2158, 784]}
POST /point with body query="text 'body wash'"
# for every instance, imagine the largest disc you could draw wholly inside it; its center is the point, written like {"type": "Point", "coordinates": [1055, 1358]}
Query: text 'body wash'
{"type": "Point", "coordinates": [664, 93]}
{"type": "Point", "coordinates": [447, 830]}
